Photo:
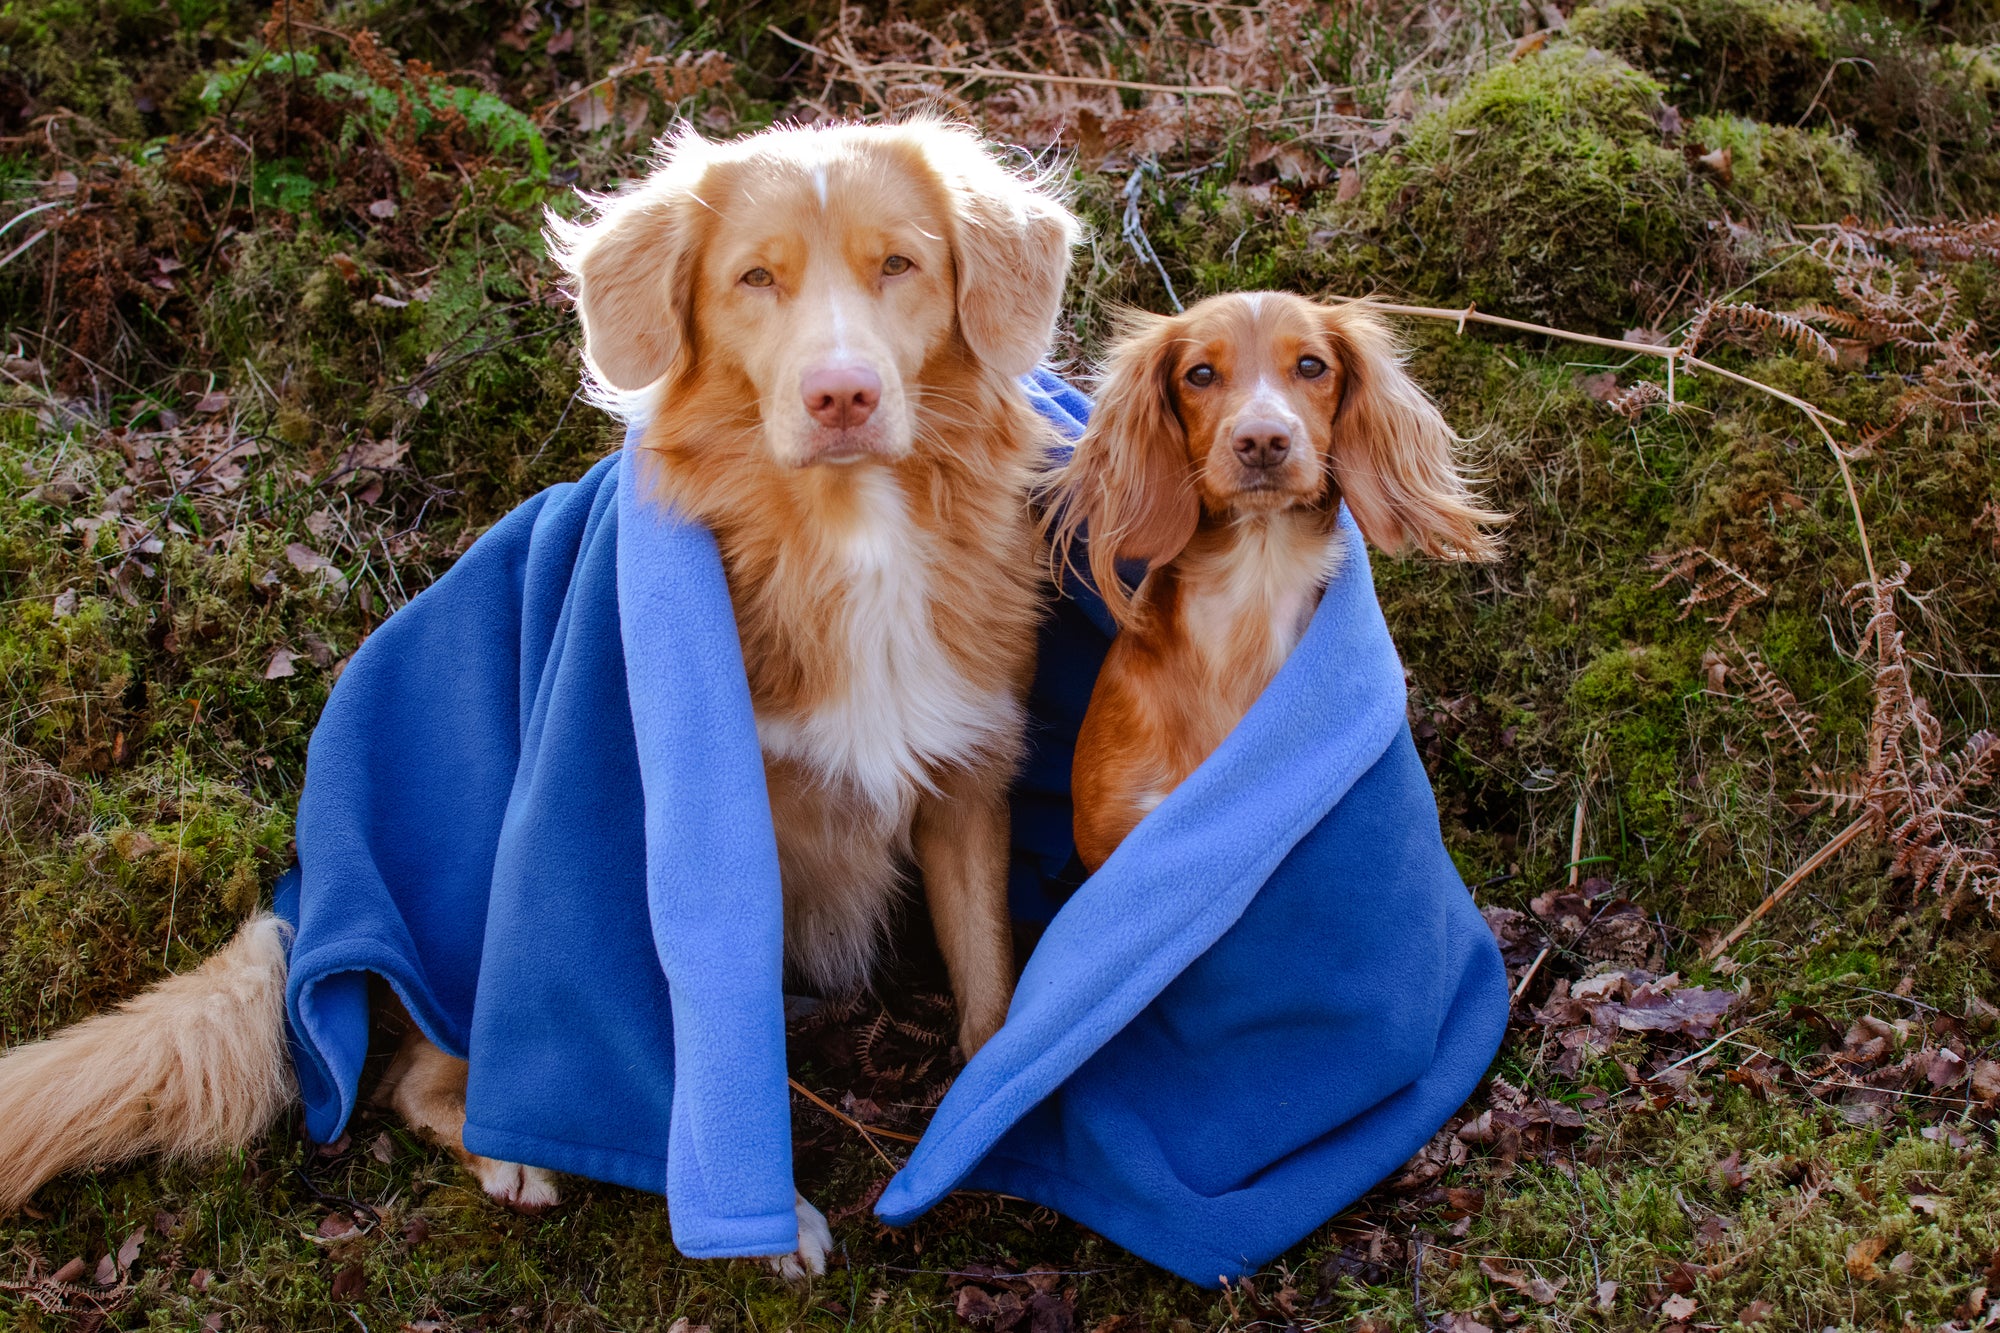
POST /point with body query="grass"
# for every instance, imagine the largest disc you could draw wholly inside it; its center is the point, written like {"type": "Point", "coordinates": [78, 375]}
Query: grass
{"type": "Point", "coordinates": [242, 458]}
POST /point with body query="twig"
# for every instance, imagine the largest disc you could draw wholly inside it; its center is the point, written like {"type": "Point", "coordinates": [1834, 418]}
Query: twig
{"type": "Point", "coordinates": [989, 72]}
{"type": "Point", "coordinates": [1529, 975]}
{"type": "Point", "coordinates": [1576, 845]}
{"type": "Point", "coordinates": [1677, 353]}
{"type": "Point", "coordinates": [1719, 1042]}
{"type": "Point", "coordinates": [1135, 234]}
{"type": "Point", "coordinates": [20, 249]}
{"type": "Point", "coordinates": [853, 1124]}
{"type": "Point", "coordinates": [1792, 881]}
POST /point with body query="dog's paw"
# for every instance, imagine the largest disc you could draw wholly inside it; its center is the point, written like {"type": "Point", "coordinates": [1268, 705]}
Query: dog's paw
{"type": "Point", "coordinates": [815, 1243]}
{"type": "Point", "coordinates": [525, 1189]}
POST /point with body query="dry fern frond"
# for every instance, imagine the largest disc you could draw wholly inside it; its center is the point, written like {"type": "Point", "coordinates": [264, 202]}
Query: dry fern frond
{"type": "Point", "coordinates": [1976, 239]}
{"type": "Point", "coordinates": [1741, 315]}
{"type": "Point", "coordinates": [1924, 800]}
{"type": "Point", "coordinates": [1629, 403]}
{"type": "Point", "coordinates": [1710, 579]}
{"type": "Point", "coordinates": [1772, 700]}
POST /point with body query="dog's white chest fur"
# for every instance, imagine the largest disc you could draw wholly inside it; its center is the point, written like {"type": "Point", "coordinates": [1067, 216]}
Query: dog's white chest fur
{"type": "Point", "coordinates": [903, 708]}
{"type": "Point", "coordinates": [1262, 590]}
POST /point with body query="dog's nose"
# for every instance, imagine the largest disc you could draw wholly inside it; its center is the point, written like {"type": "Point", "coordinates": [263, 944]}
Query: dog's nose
{"type": "Point", "coordinates": [1262, 444]}
{"type": "Point", "coordinates": [841, 396]}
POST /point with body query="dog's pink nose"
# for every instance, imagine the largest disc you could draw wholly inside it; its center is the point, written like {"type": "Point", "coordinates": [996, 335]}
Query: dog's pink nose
{"type": "Point", "coordinates": [841, 396]}
{"type": "Point", "coordinates": [1261, 444]}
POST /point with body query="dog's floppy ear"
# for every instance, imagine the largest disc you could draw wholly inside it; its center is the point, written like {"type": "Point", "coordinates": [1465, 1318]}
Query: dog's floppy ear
{"type": "Point", "coordinates": [1394, 456]}
{"type": "Point", "coordinates": [1130, 479]}
{"type": "Point", "coordinates": [1011, 242]}
{"type": "Point", "coordinates": [631, 269]}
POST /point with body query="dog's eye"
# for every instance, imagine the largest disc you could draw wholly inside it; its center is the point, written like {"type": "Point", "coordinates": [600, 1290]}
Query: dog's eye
{"type": "Point", "coordinates": [1311, 367]}
{"type": "Point", "coordinates": [1201, 376]}
{"type": "Point", "coordinates": [757, 277]}
{"type": "Point", "coordinates": [895, 264]}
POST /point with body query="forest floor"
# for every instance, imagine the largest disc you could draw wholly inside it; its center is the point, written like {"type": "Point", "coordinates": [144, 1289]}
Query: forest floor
{"type": "Point", "coordinates": [280, 338]}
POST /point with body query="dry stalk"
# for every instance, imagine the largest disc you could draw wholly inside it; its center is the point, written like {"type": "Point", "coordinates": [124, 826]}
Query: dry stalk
{"type": "Point", "coordinates": [867, 1134]}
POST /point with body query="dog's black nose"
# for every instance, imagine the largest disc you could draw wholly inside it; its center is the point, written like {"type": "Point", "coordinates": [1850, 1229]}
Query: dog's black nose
{"type": "Point", "coordinates": [1262, 444]}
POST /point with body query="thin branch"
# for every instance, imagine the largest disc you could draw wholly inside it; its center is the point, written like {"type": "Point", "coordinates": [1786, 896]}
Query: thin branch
{"type": "Point", "coordinates": [1792, 881]}
{"type": "Point", "coordinates": [1005, 75]}
{"type": "Point", "coordinates": [852, 1123]}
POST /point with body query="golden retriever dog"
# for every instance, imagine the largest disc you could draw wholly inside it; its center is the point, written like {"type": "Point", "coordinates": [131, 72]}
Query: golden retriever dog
{"type": "Point", "coordinates": [1219, 450]}
{"type": "Point", "coordinates": [823, 331]}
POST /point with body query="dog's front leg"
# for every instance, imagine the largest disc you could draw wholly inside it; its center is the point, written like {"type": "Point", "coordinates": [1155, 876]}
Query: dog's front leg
{"type": "Point", "coordinates": [961, 840]}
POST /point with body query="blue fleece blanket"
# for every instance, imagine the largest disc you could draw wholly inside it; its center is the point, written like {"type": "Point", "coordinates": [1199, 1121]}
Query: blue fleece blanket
{"type": "Point", "coordinates": [535, 807]}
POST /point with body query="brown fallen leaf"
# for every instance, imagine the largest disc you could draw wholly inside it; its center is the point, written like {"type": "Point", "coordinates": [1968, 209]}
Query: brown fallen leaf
{"type": "Point", "coordinates": [281, 665]}
{"type": "Point", "coordinates": [212, 401]}
{"type": "Point", "coordinates": [1756, 1312]}
{"type": "Point", "coordinates": [1460, 1323]}
{"type": "Point", "coordinates": [1944, 1068]}
{"type": "Point", "coordinates": [70, 1272]}
{"type": "Point", "coordinates": [1721, 162]}
{"type": "Point", "coordinates": [1861, 1257]}
{"type": "Point", "coordinates": [1986, 1081]}
{"type": "Point", "coordinates": [1678, 1307]}
{"type": "Point", "coordinates": [1537, 1289]}
{"type": "Point", "coordinates": [128, 1253]}
{"type": "Point", "coordinates": [334, 1226]}
{"type": "Point", "coordinates": [1607, 1297]}
{"type": "Point", "coordinates": [349, 1283]}
{"type": "Point", "coordinates": [1349, 187]}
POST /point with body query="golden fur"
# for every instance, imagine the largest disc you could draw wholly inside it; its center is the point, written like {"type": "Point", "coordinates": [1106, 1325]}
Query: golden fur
{"type": "Point", "coordinates": [193, 1066]}
{"type": "Point", "coordinates": [823, 329]}
{"type": "Point", "coordinates": [1222, 443]}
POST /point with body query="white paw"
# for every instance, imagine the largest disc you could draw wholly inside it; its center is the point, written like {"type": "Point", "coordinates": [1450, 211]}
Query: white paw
{"type": "Point", "coordinates": [815, 1243]}
{"type": "Point", "coordinates": [525, 1189]}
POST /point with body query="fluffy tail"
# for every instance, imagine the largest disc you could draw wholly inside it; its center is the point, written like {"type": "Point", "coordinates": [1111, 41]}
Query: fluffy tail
{"type": "Point", "coordinates": [196, 1064]}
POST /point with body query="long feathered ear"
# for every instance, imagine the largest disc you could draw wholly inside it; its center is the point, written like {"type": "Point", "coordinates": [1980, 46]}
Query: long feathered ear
{"type": "Point", "coordinates": [1394, 456]}
{"type": "Point", "coordinates": [1130, 480]}
{"type": "Point", "coordinates": [1011, 245]}
{"type": "Point", "coordinates": [631, 269]}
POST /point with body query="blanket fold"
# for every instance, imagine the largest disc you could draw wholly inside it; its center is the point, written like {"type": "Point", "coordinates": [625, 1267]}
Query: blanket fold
{"type": "Point", "coordinates": [535, 807]}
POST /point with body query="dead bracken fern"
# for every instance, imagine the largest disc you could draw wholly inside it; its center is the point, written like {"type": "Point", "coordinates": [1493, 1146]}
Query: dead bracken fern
{"type": "Point", "coordinates": [1711, 579]}
{"type": "Point", "coordinates": [1792, 724]}
{"type": "Point", "coordinates": [1910, 307]}
{"type": "Point", "coordinates": [1924, 801]}
{"type": "Point", "coordinates": [1629, 403]}
{"type": "Point", "coordinates": [1716, 316]}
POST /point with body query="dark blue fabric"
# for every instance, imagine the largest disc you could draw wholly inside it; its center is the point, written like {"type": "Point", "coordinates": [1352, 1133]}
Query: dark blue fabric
{"type": "Point", "coordinates": [535, 806]}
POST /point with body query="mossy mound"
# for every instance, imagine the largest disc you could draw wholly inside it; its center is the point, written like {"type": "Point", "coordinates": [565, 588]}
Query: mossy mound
{"type": "Point", "coordinates": [1766, 58]}
{"type": "Point", "coordinates": [1779, 173]}
{"type": "Point", "coordinates": [1923, 111]}
{"type": "Point", "coordinates": [1545, 189]}
{"type": "Point", "coordinates": [1560, 188]}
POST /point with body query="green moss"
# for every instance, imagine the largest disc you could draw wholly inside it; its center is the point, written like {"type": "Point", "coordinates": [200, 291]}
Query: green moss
{"type": "Point", "coordinates": [1780, 173]}
{"type": "Point", "coordinates": [1922, 110]}
{"type": "Point", "coordinates": [1543, 190]}
{"type": "Point", "coordinates": [1762, 57]}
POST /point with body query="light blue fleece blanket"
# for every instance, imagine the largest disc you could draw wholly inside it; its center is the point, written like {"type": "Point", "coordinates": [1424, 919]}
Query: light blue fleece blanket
{"type": "Point", "coordinates": [535, 806]}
